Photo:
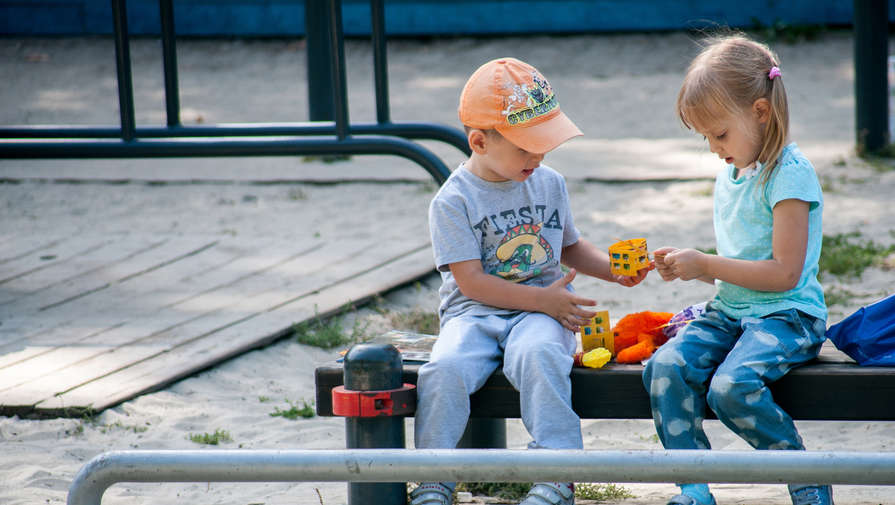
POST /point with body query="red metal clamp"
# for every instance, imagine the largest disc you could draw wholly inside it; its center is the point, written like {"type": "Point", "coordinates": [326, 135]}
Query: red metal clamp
{"type": "Point", "coordinates": [390, 402]}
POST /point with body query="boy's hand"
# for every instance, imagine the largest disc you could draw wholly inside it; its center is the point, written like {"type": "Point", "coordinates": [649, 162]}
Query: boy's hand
{"type": "Point", "coordinates": [661, 266]}
{"type": "Point", "coordinates": [686, 264]}
{"type": "Point", "coordinates": [563, 305]}
{"type": "Point", "coordinates": [633, 280]}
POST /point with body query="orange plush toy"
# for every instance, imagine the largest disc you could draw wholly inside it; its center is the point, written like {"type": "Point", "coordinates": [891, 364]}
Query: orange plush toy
{"type": "Point", "coordinates": [637, 335]}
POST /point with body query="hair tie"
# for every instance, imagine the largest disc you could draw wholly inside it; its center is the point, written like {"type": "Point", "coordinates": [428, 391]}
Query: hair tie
{"type": "Point", "coordinates": [775, 72]}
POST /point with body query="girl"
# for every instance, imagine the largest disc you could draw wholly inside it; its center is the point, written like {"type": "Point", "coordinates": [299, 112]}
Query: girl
{"type": "Point", "coordinates": [768, 315]}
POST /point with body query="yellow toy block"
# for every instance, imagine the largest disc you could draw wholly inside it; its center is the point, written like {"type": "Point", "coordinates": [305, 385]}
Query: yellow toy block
{"type": "Point", "coordinates": [628, 257]}
{"type": "Point", "coordinates": [597, 333]}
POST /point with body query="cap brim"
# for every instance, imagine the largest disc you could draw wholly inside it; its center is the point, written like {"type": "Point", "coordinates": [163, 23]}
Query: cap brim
{"type": "Point", "coordinates": [541, 137]}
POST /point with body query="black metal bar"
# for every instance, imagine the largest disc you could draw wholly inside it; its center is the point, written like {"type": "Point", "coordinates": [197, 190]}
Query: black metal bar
{"type": "Point", "coordinates": [153, 148]}
{"type": "Point", "coordinates": [123, 65]}
{"type": "Point", "coordinates": [871, 81]}
{"type": "Point", "coordinates": [337, 68]}
{"type": "Point", "coordinates": [70, 141]}
{"type": "Point", "coordinates": [169, 59]}
{"type": "Point", "coordinates": [380, 61]}
{"type": "Point", "coordinates": [405, 129]}
{"type": "Point", "coordinates": [319, 55]}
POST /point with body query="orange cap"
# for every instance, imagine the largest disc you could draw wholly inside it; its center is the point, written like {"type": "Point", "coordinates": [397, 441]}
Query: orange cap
{"type": "Point", "coordinates": [512, 97]}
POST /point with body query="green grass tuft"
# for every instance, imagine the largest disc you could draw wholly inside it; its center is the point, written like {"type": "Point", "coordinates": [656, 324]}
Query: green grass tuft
{"type": "Point", "coordinates": [294, 411]}
{"type": "Point", "coordinates": [329, 333]}
{"type": "Point", "coordinates": [839, 296]}
{"type": "Point", "coordinates": [517, 490]}
{"type": "Point", "coordinates": [505, 490]}
{"type": "Point", "coordinates": [415, 321]}
{"type": "Point", "coordinates": [602, 492]}
{"type": "Point", "coordinates": [846, 255]}
{"type": "Point", "coordinates": [219, 436]}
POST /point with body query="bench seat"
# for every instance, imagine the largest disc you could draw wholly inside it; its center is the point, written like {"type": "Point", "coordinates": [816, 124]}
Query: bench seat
{"type": "Point", "coordinates": [831, 387]}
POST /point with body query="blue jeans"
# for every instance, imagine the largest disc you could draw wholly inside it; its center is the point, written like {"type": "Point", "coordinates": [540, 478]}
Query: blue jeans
{"type": "Point", "coordinates": [727, 364]}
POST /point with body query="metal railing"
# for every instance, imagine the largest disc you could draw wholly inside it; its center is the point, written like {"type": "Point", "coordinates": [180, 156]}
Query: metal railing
{"type": "Point", "coordinates": [401, 465]}
{"type": "Point", "coordinates": [246, 139]}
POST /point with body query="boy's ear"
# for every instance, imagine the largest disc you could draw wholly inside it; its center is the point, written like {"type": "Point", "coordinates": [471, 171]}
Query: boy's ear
{"type": "Point", "coordinates": [477, 140]}
{"type": "Point", "coordinates": [762, 110]}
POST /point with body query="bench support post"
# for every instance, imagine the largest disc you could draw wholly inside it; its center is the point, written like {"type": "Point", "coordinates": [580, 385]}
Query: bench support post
{"type": "Point", "coordinates": [374, 367]}
{"type": "Point", "coordinates": [484, 433]}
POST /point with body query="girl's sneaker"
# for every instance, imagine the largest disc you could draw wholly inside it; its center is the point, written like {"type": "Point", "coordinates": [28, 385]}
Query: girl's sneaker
{"type": "Point", "coordinates": [802, 494]}
{"type": "Point", "coordinates": [550, 493]}
{"type": "Point", "coordinates": [684, 499]}
{"type": "Point", "coordinates": [432, 493]}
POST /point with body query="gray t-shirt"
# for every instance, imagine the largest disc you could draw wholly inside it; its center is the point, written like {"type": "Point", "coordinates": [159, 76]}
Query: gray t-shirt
{"type": "Point", "coordinates": [516, 229]}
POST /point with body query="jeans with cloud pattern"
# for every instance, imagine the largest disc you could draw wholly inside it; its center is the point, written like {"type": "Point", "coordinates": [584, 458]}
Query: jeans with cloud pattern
{"type": "Point", "coordinates": [727, 365]}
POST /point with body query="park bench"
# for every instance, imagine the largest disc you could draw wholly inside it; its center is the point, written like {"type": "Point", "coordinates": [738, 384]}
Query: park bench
{"type": "Point", "coordinates": [832, 387]}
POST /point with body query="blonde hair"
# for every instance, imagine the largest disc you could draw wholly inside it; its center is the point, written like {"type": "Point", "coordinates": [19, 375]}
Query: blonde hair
{"type": "Point", "coordinates": [725, 79]}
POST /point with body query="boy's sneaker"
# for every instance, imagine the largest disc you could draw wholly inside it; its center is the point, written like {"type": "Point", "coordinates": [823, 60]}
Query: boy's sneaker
{"type": "Point", "coordinates": [432, 493]}
{"type": "Point", "coordinates": [550, 493]}
{"type": "Point", "coordinates": [803, 494]}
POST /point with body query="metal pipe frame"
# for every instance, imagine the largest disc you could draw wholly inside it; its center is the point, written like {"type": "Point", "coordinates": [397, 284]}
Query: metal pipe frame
{"type": "Point", "coordinates": [473, 465]}
{"type": "Point", "coordinates": [380, 63]}
{"type": "Point", "coordinates": [123, 68]}
{"type": "Point", "coordinates": [337, 67]}
{"type": "Point", "coordinates": [871, 81]}
{"type": "Point", "coordinates": [169, 62]}
{"type": "Point", "coordinates": [404, 129]}
{"type": "Point", "coordinates": [176, 148]}
{"type": "Point", "coordinates": [64, 141]}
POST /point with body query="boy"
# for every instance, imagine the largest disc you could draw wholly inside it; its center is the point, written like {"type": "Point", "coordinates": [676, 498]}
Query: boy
{"type": "Point", "coordinates": [501, 225]}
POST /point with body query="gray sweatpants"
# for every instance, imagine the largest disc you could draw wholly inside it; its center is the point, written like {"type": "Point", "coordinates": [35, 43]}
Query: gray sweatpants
{"type": "Point", "coordinates": [537, 358]}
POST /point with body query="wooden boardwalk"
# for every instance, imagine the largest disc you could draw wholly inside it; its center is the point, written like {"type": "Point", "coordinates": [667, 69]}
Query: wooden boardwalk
{"type": "Point", "coordinates": [115, 316]}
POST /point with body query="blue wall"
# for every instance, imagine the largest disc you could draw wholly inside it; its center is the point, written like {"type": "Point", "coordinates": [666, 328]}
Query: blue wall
{"type": "Point", "coordinates": [420, 17]}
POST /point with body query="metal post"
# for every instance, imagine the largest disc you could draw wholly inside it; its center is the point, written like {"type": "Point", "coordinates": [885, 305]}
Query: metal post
{"type": "Point", "coordinates": [123, 64]}
{"type": "Point", "coordinates": [374, 367]}
{"type": "Point", "coordinates": [871, 81]}
{"type": "Point", "coordinates": [380, 63]}
{"type": "Point", "coordinates": [337, 68]}
{"type": "Point", "coordinates": [169, 61]}
{"type": "Point", "coordinates": [320, 84]}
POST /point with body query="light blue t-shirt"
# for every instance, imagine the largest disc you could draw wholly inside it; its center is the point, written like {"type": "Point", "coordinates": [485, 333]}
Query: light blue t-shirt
{"type": "Point", "coordinates": [744, 224]}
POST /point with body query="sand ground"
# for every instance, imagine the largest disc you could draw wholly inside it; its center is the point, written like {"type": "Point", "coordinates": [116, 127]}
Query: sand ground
{"type": "Point", "coordinates": [619, 89]}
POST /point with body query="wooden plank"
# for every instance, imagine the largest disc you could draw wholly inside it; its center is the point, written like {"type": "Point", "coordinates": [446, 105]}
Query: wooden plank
{"type": "Point", "coordinates": [122, 302]}
{"type": "Point", "coordinates": [197, 354]}
{"type": "Point", "coordinates": [58, 351]}
{"type": "Point", "coordinates": [58, 370]}
{"type": "Point", "coordinates": [25, 247]}
{"type": "Point", "coordinates": [69, 269]}
{"type": "Point", "coordinates": [19, 278]}
{"type": "Point", "coordinates": [22, 313]}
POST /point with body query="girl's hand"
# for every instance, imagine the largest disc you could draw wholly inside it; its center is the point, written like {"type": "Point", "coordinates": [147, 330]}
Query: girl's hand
{"type": "Point", "coordinates": [633, 280]}
{"type": "Point", "coordinates": [686, 264]}
{"type": "Point", "coordinates": [563, 305]}
{"type": "Point", "coordinates": [662, 267]}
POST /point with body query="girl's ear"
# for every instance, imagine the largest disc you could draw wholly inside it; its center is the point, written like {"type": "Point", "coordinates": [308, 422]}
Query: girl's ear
{"type": "Point", "coordinates": [477, 140]}
{"type": "Point", "coordinates": [762, 110]}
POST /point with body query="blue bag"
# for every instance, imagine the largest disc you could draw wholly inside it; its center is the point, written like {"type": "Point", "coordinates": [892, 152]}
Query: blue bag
{"type": "Point", "coordinates": [868, 335]}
